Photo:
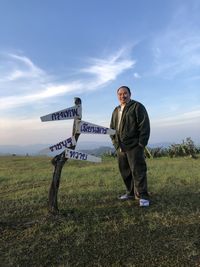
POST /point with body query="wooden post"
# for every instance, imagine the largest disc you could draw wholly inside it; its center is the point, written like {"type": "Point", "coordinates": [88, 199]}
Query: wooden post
{"type": "Point", "coordinates": [58, 162]}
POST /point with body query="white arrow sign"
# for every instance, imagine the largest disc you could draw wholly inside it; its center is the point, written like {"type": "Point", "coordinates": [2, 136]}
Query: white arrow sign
{"type": "Point", "coordinates": [85, 127]}
{"type": "Point", "coordinates": [77, 155]}
{"type": "Point", "coordinates": [64, 114]}
{"type": "Point", "coordinates": [69, 142]}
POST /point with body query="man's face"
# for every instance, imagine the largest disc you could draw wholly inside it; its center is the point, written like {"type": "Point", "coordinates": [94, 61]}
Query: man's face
{"type": "Point", "coordinates": [123, 96]}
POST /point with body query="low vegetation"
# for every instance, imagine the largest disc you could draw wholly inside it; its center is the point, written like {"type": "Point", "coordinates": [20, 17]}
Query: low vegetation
{"type": "Point", "coordinates": [184, 149]}
{"type": "Point", "coordinates": [94, 228]}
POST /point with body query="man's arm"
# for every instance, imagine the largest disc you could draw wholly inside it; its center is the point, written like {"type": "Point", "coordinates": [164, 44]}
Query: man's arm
{"type": "Point", "coordinates": [143, 125]}
{"type": "Point", "coordinates": [113, 126]}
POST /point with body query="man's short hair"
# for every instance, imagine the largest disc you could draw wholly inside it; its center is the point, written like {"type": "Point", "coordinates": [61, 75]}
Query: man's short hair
{"type": "Point", "coordinates": [125, 87]}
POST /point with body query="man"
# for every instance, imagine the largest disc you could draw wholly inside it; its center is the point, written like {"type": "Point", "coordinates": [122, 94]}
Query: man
{"type": "Point", "coordinates": [131, 122]}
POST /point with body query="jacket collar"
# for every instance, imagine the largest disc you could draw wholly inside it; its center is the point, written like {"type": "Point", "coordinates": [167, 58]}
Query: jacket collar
{"type": "Point", "coordinates": [131, 102]}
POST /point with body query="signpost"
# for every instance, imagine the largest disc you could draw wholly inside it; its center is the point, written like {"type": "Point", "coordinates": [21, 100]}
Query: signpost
{"type": "Point", "coordinates": [69, 142]}
{"type": "Point", "coordinates": [64, 114]}
{"type": "Point", "coordinates": [69, 145]}
{"type": "Point", "coordinates": [78, 155]}
{"type": "Point", "coordinates": [90, 128]}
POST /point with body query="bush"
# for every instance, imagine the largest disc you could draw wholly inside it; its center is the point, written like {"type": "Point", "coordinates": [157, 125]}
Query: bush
{"type": "Point", "coordinates": [186, 148]}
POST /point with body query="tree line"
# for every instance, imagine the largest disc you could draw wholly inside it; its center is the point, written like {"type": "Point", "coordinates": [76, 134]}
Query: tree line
{"type": "Point", "coordinates": [186, 148]}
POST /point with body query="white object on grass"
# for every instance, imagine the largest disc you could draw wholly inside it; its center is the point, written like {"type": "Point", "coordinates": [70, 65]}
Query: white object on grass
{"type": "Point", "coordinates": [144, 202]}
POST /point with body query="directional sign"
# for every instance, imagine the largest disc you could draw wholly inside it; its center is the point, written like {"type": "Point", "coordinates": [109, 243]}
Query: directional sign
{"type": "Point", "coordinates": [64, 114]}
{"type": "Point", "coordinates": [77, 155]}
{"type": "Point", "coordinates": [90, 128]}
{"type": "Point", "coordinates": [69, 142]}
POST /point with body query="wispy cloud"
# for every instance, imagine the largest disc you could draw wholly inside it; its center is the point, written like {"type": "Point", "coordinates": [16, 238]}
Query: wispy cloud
{"type": "Point", "coordinates": [136, 75]}
{"type": "Point", "coordinates": [29, 131]}
{"type": "Point", "coordinates": [176, 49]}
{"type": "Point", "coordinates": [30, 69]}
{"type": "Point", "coordinates": [48, 92]}
{"type": "Point", "coordinates": [100, 71]}
{"type": "Point", "coordinates": [180, 119]}
{"type": "Point", "coordinates": [178, 53]}
{"type": "Point", "coordinates": [106, 70]}
{"type": "Point", "coordinates": [19, 67]}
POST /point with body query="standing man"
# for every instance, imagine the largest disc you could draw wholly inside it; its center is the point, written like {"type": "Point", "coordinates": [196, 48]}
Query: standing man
{"type": "Point", "coordinates": [131, 122]}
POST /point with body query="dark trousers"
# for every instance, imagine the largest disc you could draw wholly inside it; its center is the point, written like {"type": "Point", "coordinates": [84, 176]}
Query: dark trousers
{"type": "Point", "coordinates": [133, 169]}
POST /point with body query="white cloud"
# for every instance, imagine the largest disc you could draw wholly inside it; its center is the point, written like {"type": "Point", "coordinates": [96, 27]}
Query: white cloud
{"type": "Point", "coordinates": [20, 67]}
{"type": "Point", "coordinates": [176, 128]}
{"type": "Point", "coordinates": [176, 49]}
{"type": "Point", "coordinates": [190, 117]}
{"type": "Point", "coordinates": [108, 69]}
{"type": "Point", "coordinates": [178, 54]}
{"type": "Point", "coordinates": [102, 71]}
{"type": "Point", "coordinates": [18, 131]}
{"type": "Point", "coordinates": [136, 75]}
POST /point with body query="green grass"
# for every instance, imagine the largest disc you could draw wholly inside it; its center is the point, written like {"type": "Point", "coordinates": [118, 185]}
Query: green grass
{"type": "Point", "coordinates": [94, 228]}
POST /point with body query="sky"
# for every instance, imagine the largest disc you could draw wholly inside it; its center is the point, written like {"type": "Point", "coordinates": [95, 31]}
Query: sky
{"type": "Point", "coordinates": [54, 50]}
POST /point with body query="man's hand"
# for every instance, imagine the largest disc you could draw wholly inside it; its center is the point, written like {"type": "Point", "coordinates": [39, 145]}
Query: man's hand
{"type": "Point", "coordinates": [141, 145]}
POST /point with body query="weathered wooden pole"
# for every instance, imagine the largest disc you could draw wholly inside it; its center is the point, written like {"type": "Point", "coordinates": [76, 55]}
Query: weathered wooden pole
{"type": "Point", "coordinates": [58, 162]}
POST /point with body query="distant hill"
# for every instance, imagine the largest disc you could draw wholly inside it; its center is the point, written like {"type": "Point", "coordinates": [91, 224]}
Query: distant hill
{"type": "Point", "coordinates": [20, 150]}
{"type": "Point", "coordinates": [95, 148]}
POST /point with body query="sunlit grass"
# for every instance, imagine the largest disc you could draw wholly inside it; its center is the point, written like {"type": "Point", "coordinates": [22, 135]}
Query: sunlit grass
{"type": "Point", "coordinates": [93, 227]}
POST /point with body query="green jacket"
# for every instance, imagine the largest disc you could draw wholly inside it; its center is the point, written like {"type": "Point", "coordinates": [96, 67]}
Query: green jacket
{"type": "Point", "coordinates": [134, 128]}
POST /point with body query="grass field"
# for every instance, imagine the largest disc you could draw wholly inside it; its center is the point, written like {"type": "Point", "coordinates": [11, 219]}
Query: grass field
{"type": "Point", "coordinates": [94, 228]}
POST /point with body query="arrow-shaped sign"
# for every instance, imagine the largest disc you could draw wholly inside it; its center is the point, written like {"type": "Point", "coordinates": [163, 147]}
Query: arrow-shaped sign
{"type": "Point", "coordinates": [69, 142]}
{"type": "Point", "coordinates": [85, 127]}
{"type": "Point", "coordinates": [64, 114]}
{"type": "Point", "coordinates": [78, 155]}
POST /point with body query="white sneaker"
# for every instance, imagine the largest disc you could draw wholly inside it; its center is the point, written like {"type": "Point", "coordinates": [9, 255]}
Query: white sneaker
{"type": "Point", "coordinates": [144, 202]}
{"type": "Point", "coordinates": [125, 197]}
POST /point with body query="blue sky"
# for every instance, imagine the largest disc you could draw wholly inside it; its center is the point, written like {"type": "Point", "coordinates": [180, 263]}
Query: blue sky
{"type": "Point", "coordinates": [54, 50]}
